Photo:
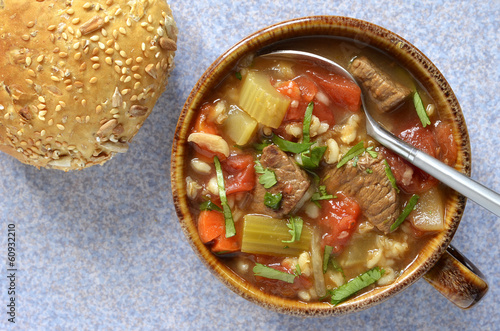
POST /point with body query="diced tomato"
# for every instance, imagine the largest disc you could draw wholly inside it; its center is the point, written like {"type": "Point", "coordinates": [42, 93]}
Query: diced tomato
{"type": "Point", "coordinates": [307, 87]}
{"type": "Point", "coordinates": [436, 141]}
{"type": "Point", "coordinates": [203, 123]}
{"type": "Point", "coordinates": [290, 89]}
{"type": "Point", "coordinates": [448, 150]}
{"type": "Point", "coordinates": [341, 90]}
{"type": "Point", "coordinates": [239, 173]}
{"type": "Point", "coordinates": [323, 113]}
{"type": "Point", "coordinates": [339, 220]}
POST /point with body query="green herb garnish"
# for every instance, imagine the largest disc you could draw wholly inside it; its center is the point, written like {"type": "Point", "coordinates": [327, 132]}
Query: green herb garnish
{"type": "Point", "coordinates": [295, 224]}
{"type": "Point", "coordinates": [267, 177]}
{"type": "Point", "coordinates": [228, 216]}
{"type": "Point", "coordinates": [369, 171]}
{"type": "Point", "coordinates": [321, 194]}
{"type": "Point", "coordinates": [406, 211]}
{"type": "Point", "coordinates": [350, 288]}
{"type": "Point", "coordinates": [268, 272]}
{"type": "Point", "coordinates": [306, 125]}
{"type": "Point", "coordinates": [312, 157]}
{"type": "Point", "coordinates": [209, 205]}
{"type": "Point", "coordinates": [372, 153]}
{"type": "Point", "coordinates": [326, 257]}
{"type": "Point", "coordinates": [356, 150]}
{"type": "Point", "coordinates": [419, 107]}
{"type": "Point", "coordinates": [288, 146]}
{"type": "Point", "coordinates": [390, 176]}
{"type": "Point", "coordinates": [273, 201]}
{"type": "Point", "coordinates": [298, 272]}
{"type": "Point", "coordinates": [262, 145]}
{"type": "Point", "coordinates": [238, 75]}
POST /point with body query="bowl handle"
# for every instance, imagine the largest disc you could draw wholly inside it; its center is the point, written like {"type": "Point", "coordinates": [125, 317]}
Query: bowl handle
{"type": "Point", "coordinates": [458, 279]}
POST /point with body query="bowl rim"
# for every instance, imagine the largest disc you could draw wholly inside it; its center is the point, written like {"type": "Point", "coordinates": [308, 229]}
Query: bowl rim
{"type": "Point", "coordinates": [377, 37]}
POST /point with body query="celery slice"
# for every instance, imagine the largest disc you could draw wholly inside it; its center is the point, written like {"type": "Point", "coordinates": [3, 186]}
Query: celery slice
{"type": "Point", "coordinates": [239, 126]}
{"type": "Point", "coordinates": [265, 235]}
{"type": "Point", "coordinates": [261, 100]}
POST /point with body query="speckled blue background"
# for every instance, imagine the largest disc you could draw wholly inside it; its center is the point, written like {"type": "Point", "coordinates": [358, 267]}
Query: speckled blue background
{"type": "Point", "coordinates": [102, 248]}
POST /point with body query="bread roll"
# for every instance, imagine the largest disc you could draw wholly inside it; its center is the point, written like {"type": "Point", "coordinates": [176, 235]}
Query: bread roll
{"type": "Point", "coordinates": [78, 78]}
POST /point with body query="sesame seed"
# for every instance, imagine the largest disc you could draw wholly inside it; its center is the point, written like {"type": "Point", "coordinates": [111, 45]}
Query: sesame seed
{"type": "Point", "coordinates": [96, 66]}
{"type": "Point", "coordinates": [124, 70]}
{"type": "Point", "coordinates": [58, 108]}
{"type": "Point", "coordinates": [104, 32]}
{"type": "Point", "coordinates": [125, 91]}
{"type": "Point", "coordinates": [129, 22]}
{"type": "Point", "coordinates": [139, 59]}
{"type": "Point", "coordinates": [55, 79]}
{"type": "Point", "coordinates": [30, 24]}
{"type": "Point", "coordinates": [150, 19]}
{"type": "Point", "coordinates": [119, 62]}
{"type": "Point", "coordinates": [56, 50]}
{"type": "Point", "coordinates": [70, 11]}
{"type": "Point", "coordinates": [95, 59]}
{"type": "Point", "coordinates": [78, 33]}
{"type": "Point", "coordinates": [153, 48]}
{"type": "Point", "coordinates": [123, 54]}
{"type": "Point", "coordinates": [117, 69]}
{"type": "Point", "coordinates": [95, 51]}
{"type": "Point", "coordinates": [76, 46]}
{"type": "Point", "coordinates": [108, 60]}
{"type": "Point", "coordinates": [42, 113]}
{"type": "Point", "coordinates": [84, 102]}
{"type": "Point", "coordinates": [64, 35]}
{"type": "Point", "coordinates": [143, 46]}
{"type": "Point", "coordinates": [25, 37]}
{"type": "Point", "coordinates": [98, 109]}
{"type": "Point", "coordinates": [70, 30]}
{"type": "Point", "coordinates": [6, 116]}
{"type": "Point", "coordinates": [101, 45]}
{"type": "Point", "coordinates": [135, 68]}
{"type": "Point", "coordinates": [136, 85]}
{"type": "Point", "coordinates": [157, 55]}
{"type": "Point", "coordinates": [78, 84]}
{"type": "Point", "coordinates": [83, 67]}
{"type": "Point", "coordinates": [128, 61]}
{"type": "Point", "coordinates": [50, 122]}
{"type": "Point", "coordinates": [63, 54]}
{"type": "Point", "coordinates": [114, 111]}
{"type": "Point", "coordinates": [77, 56]}
{"type": "Point", "coordinates": [67, 81]}
{"type": "Point", "coordinates": [41, 106]}
{"type": "Point", "coordinates": [115, 34]}
{"type": "Point", "coordinates": [160, 31]}
{"type": "Point", "coordinates": [93, 80]}
{"type": "Point", "coordinates": [128, 79]}
{"type": "Point", "coordinates": [62, 103]}
{"type": "Point", "coordinates": [87, 5]}
{"type": "Point", "coordinates": [122, 30]}
{"type": "Point", "coordinates": [31, 73]}
{"type": "Point", "coordinates": [41, 118]}
{"type": "Point", "coordinates": [94, 37]}
{"type": "Point", "coordinates": [106, 19]}
{"type": "Point", "coordinates": [41, 99]}
{"type": "Point", "coordinates": [60, 127]}
{"type": "Point", "coordinates": [144, 24]}
{"type": "Point", "coordinates": [98, 7]}
{"type": "Point", "coordinates": [150, 28]}
{"type": "Point", "coordinates": [76, 20]}
{"type": "Point", "coordinates": [109, 51]}
{"type": "Point", "coordinates": [28, 61]}
{"type": "Point", "coordinates": [137, 76]}
{"type": "Point", "coordinates": [51, 27]}
{"type": "Point", "coordinates": [29, 81]}
{"type": "Point", "coordinates": [118, 11]}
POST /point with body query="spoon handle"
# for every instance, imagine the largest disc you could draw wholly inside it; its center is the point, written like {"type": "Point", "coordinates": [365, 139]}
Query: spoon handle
{"type": "Point", "coordinates": [477, 192]}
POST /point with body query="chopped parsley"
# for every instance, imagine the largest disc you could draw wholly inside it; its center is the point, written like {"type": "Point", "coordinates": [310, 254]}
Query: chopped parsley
{"type": "Point", "coordinates": [390, 176]}
{"type": "Point", "coordinates": [295, 224]}
{"type": "Point", "coordinates": [228, 216]}
{"type": "Point", "coordinates": [311, 158]}
{"type": "Point", "coordinates": [268, 272]}
{"type": "Point", "coordinates": [321, 194]}
{"type": "Point", "coordinates": [350, 288]}
{"type": "Point", "coordinates": [356, 150]}
{"type": "Point", "coordinates": [326, 257]}
{"type": "Point", "coordinates": [369, 171]}
{"type": "Point", "coordinates": [209, 205]}
{"type": "Point", "coordinates": [238, 75]}
{"type": "Point", "coordinates": [371, 152]}
{"type": "Point", "coordinates": [273, 201]}
{"type": "Point", "coordinates": [298, 272]}
{"type": "Point", "coordinates": [288, 146]}
{"type": "Point", "coordinates": [406, 211]}
{"type": "Point", "coordinates": [306, 125]}
{"type": "Point", "coordinates": [267, 177]}
{"type": "Point", "coordinates": [419, 107]}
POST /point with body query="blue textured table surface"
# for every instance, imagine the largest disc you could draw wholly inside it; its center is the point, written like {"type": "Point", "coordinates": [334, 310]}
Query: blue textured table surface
{"type": "Point", "coordinates": [102, 248]}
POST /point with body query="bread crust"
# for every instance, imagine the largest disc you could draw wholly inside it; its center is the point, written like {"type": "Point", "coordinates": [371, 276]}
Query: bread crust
{"type": "Point", "coordinates": [79, 78]}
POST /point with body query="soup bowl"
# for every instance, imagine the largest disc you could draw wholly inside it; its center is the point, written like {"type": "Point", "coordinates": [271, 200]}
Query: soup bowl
{"type": "Point", "coordinates": [439, 263]}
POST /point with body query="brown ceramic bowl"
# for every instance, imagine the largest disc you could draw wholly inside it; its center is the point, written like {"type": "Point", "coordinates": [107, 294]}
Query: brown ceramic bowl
{"type": "Point", "coordinates": [453, 276]}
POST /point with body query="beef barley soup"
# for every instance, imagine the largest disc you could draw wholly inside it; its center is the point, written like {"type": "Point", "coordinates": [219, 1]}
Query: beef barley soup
{"type": "Point", "coordinates": [290, 192]}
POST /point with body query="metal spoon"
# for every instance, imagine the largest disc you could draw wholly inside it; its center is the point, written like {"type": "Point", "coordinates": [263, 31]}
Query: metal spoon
{"type": "Point", "coordinates": [449, 176]}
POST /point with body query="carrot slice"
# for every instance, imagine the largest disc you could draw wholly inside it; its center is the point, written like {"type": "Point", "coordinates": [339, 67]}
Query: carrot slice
{"type": "Point", "coordinates": [211, 225]}
{"type": "Point", "coordinates": [226, 245]}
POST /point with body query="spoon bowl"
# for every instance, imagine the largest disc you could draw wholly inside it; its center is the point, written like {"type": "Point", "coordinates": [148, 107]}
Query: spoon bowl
{"type": "Point", "coordinates": [449, 176]}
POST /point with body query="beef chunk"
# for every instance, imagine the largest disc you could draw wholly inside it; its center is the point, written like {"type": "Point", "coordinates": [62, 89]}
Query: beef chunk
{"type": "Point", "coordinates": [292, 182]}
{"type": "Point", "coordinates": [373, 191]}
{"type": "Point", "coordinates": [386, 93]}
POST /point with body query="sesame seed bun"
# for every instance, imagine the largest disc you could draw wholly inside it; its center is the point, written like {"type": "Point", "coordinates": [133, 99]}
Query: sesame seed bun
{"type": "Point", "coordinates": [78, 78]}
